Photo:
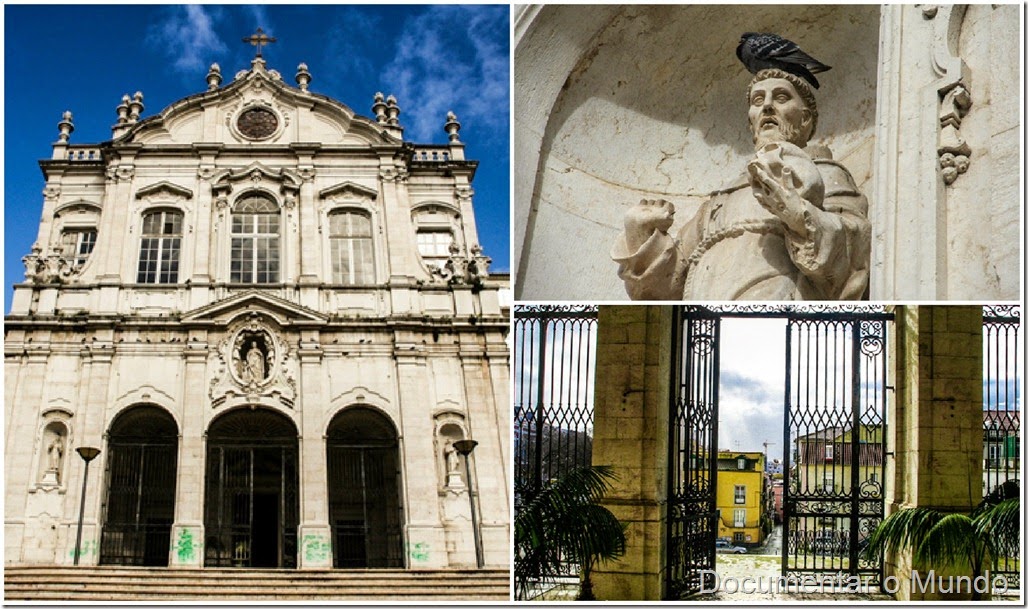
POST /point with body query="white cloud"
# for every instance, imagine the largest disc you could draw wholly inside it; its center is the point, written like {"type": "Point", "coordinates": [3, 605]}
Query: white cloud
{"type": "Point", "coordinates": [429, 78]}
{"type": "Point", "coordinates": [187, 36]}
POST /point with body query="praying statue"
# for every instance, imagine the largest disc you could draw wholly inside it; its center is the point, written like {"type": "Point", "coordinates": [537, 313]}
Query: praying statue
{"type": "Point", "coordinates": [793, 226]}
{"type": "Point", "coordinates": [255, 363]}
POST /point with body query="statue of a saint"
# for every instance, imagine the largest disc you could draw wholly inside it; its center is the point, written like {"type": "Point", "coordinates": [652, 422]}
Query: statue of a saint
{"type": "Point", "coordinates": [792, 227]}
{"type": "Point", "coordinates": [452, 459]}
{"type": "Point", "coordinates": [255, 363]}
{"type": "Point", "coordinates": [54, 453]}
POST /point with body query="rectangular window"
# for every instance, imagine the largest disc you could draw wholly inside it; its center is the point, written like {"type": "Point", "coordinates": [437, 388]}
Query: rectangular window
{"type": "Point", "coordinates": [740, 518]}
{"type": "Point", "coordinates": [255, 248]}
{"type": "Point", "coordinates": [77, 245]}
{"type": "Point", "coordinates": [829, 452]}
{"type": "Point", "coordinates": [353, 261]}
{"type": "Point", "coordinates": [829, 481]}
{"type": "Point", "coordinates": [740, 494]}
{"type": "Point", "coordinates": [434, 246]}
{"type": "Point", "coordinates": [159, 247]}
{"type": "Point", "coordinates": [741, 463]}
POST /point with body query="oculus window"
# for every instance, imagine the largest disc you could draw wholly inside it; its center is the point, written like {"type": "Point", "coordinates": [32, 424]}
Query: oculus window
{"type": "Point", "coordinates": [255, 241]}
{"type": "Point", "coordinates": [159, 247]}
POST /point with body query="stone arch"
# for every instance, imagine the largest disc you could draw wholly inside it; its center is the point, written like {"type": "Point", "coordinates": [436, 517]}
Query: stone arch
{"type": "Point", "coordinates": [364, 482]}
{"type": "Point", "coordinates": [140, 480]}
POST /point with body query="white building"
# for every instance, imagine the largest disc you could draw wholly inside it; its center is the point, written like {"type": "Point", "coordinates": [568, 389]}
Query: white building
{"type": "Point", "coordinates": [273, 318]}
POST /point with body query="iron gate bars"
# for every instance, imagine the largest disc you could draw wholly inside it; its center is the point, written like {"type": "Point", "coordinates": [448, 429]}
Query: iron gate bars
{"type": "Point", "coordinates": [139, 505]}
{"type": "Point", "coordinates": [554, 372]}
{"type": "Point", "coordinates": [251, 512]}
{"type": "Point", "coordinates": [692, 460]}
{"type": "Point", "coordinates": [1001, 441]}
{"type": "Point", "coordinates": [834, 437]}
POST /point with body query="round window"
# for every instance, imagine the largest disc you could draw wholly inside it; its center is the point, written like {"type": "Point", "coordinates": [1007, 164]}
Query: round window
{"type": "Point", "coordinates": [257, 123]}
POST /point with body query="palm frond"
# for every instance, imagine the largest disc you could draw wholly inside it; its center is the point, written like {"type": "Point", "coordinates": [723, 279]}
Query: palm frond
{"type": "Point", "coordinates": [1001, 521]}
{"type": "Point", "coordinates": [952, 541]}
{"type": "Point", "coordinates": [902, 529]}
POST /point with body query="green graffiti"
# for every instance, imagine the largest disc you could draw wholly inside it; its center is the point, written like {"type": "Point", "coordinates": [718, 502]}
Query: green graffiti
{"type": "Point", "coordinates": [185, 547]}
{"type": "Point", "coordinates": [419, 551]}
{"type": "Point", "coordinates": [316, 549]}
{"type": "Point", "coordinates": [88, 549]}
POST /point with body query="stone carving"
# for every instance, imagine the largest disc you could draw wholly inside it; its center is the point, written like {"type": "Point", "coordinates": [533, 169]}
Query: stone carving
{"type": "Point", "coordinates": [252, 363]}
{"type": "Point", "coordinates": [792, 227]}
{"type": "Point", "coordinates": [460, 269]}
{"type": "Point", "coordinates": [55, 453]}
{"type": "Point", "coordinates": [953, 150]}
{"type": "Point", "coordinates": [53, 268]}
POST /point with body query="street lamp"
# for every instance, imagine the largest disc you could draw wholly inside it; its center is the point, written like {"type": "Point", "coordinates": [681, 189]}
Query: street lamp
{"type": "Point", "coordinates": [88, 453]}
{"type": "Point", "coordinates": [465, 447]}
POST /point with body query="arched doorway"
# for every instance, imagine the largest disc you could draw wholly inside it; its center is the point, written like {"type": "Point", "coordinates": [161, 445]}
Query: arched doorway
{"type": "Point", "coordinates": [139, 504]}
{"type": "Point", "coordinates": [364, 484]}
{"type": "Point", "coordinates": [252, 505]}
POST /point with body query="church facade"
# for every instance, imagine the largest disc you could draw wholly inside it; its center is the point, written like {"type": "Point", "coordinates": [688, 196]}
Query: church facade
{"type": "Point", "coordinates": [273, 318]}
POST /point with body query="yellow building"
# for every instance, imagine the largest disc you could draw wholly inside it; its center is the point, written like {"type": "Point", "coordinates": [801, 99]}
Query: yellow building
{"type": "Point", "coordinates": [823, 461]}
{"type": "Point", "coordinates": [740, 496]}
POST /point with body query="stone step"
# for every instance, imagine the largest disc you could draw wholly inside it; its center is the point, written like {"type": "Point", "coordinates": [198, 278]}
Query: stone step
{"type": "Point", "coordinates": [49, 583]}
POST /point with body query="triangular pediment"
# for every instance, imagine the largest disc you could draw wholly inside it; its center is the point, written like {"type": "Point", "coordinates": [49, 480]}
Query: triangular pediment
{"type": "Point", "coordinates": [164, 187]}
{"type": "Point", "coordinates": [348, 188]}
{"type": "Point", "coordinates": [283, 311]}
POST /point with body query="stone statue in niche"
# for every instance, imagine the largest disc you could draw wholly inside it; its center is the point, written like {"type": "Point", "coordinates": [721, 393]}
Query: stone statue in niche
{"type": "Point", "coordinates": [54, 456]}
{"type": "Point", "coordinates": [453, 479]}
{"type": "Point", "coordinates": [793, 226]}
{"type": "Point", "coordinates": [252, 357]}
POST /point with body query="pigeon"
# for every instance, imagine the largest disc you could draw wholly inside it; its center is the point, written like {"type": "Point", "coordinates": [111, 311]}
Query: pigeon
{"type": "Point", "coordinates": [763, 51]}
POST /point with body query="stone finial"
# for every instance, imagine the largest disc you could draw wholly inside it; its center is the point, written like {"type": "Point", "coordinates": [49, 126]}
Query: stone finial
{"type": "Point", "coordinates": [303, 76]}
{"type": "Point", "coordinates": [136, 107]}
{"type": "Point", "coordinates": [65, 127]}
{"type": "Point", "coordinates": [452, 127]}
{"type": "Point", "coordinates": [123, 110]}
{"type": "Point", "coordinates": [214, 77]}
{"type": "Point", "coordinates": [379, 108]}
{"type": "Point", "coordinates": [393, 110]}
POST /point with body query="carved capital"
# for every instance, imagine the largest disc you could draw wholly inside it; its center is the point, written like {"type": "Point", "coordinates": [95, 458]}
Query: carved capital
{"type": "Point", "coordinates": [953, 150]}
{"type": "Point", "coordinates": [393, 174]}
{"type": "Point", "coordinates": [51, 192]}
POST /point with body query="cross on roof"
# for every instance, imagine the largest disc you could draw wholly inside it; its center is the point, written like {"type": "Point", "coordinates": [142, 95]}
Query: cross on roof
{"type": "Point", "coordinates": [259, 39]}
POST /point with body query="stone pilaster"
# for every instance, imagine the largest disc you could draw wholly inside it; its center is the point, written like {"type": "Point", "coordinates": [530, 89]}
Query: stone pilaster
{"type": "Point", "coordinates": [936, 428]}
{"type": "Point", "coordinates": [633, 350]}
{"type": "Point", "coordinates": [187, 534]}
{"type": "Point", "coordinates": [315, 533]}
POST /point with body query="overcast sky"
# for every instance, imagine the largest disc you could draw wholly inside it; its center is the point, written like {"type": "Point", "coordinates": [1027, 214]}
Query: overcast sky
{"type": "Point", "coordinates": [84, 58]}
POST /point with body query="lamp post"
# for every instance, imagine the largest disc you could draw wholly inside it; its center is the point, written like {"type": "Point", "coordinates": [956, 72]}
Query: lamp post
{"type": "Point", "coordinates": [88, 453]}
{"type": "Point", "coordinates": [465, 447]}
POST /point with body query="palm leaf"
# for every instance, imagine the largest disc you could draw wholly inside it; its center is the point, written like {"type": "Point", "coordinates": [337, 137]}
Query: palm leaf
{"type": "Point", "coordinates": [1000, 522]}
{"type": "Point", "coordinates": [953, 541]}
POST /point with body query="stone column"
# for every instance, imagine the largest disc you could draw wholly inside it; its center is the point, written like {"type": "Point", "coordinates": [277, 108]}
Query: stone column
{"type": "Point", "coordinates": [187, 534]}
{"type": "Point", "coordinates": [936, 420]}
{"type": "Point", "coordinates": [633, 360]}
{"type": "Point", "coordinates": [426, 539]}
{"type": "Point", "coordinates": [315, 533]}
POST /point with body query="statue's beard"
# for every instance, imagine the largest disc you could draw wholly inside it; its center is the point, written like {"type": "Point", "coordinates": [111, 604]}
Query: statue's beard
{"type": "Point", "coordinates": [782, 132]}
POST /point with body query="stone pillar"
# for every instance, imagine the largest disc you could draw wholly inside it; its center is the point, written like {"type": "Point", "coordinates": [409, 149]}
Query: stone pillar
{"type": "Point", "coordinates": [633, 359]}
{"type": "Point", "coordinates": [936, 420]}
{"type": "Point", "coordinates": [426, 539]}
{"type": "Point", "coordinates": [187, 533]}
{"type": "Point", "coordinates": [315, 533]}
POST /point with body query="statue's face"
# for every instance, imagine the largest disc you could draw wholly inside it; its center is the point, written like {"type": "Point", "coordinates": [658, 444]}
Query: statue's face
{"type": "Point", "coordinates": [777, 113]}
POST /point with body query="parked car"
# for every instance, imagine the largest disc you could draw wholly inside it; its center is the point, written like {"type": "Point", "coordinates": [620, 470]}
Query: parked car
{"type": "Point", "coordinates": [723, 547]}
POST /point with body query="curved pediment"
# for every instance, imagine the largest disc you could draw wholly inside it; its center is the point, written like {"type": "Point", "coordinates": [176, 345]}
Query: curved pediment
{"type": "Point", "coordinates": [257, 108]}
{"type": "Point", "coordinates": [348, 189]}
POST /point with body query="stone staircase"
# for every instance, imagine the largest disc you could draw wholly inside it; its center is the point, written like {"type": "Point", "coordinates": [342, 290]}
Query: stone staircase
{"type": "Point", "coordinates": [50, 583]}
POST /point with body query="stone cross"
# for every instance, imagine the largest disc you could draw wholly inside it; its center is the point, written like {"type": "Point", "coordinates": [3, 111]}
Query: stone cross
{"type": "Point", "coordinates": [259, 39]}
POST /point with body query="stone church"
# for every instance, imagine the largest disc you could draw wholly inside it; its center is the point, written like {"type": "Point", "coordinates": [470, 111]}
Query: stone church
{"type": "Point", "coordinates": [273, 318]}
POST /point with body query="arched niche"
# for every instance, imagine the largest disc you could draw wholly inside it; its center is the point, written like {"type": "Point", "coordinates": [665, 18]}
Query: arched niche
{"type": "Point", "coordinates": [651, 103]}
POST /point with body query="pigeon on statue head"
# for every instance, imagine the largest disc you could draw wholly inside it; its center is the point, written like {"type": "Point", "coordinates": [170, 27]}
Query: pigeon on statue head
{"type": "Point", "coordinates": [766, 51]}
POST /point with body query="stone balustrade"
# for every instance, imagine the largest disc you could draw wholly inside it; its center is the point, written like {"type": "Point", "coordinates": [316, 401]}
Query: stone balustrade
{"type": "Point", "coordinates": [84, 153]}
{"type": "Point", "coordinates": [432, 154]}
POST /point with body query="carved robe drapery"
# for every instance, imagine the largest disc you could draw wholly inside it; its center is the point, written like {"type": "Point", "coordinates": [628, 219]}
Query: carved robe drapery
{"type": "Point", "coordinates": [734, 249]}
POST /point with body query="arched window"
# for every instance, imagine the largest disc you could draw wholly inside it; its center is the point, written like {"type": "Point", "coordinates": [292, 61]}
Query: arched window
{"type": "Point", "coordinates": [159, 247]}
{"type": "Point", "coordinates": [353, 260]}
{"type": "Point", "coordinates": [255, 241]}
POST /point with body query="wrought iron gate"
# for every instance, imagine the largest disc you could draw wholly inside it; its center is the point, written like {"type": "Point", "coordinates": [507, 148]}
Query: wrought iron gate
{"type": "Point", "coordinates": [1001, 451]}
{"type": "Point", "coordinates": [835, 417]}
{"type": "Point", "coordinates": [692, 457]}
{"type": "Point", "coordinates": [252, 505]}
{"type": "Point", "coordinates": [363, 491]}
{"type": "Point", "coordinates": [139, 505]}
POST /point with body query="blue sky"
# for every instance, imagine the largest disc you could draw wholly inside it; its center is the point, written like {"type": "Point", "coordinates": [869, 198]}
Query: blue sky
{"type": "Point", "coordinates": [84, 58]}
